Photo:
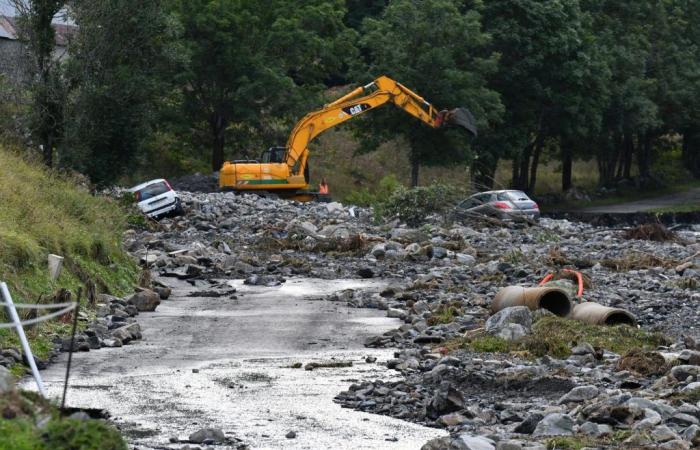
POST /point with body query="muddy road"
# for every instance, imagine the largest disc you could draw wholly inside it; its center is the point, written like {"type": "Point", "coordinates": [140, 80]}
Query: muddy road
{"type": "Point", "coordinates": [225, 363]}
{"type": "Point", "coordinates": [685, 198]}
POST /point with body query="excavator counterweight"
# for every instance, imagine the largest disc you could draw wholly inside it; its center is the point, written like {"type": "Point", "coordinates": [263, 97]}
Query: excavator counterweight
{"type": "Point", "coordinates": [285, 170]}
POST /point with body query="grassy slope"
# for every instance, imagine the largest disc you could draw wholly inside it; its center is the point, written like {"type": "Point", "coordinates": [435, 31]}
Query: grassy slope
{"type": "Point", "coordinates": [41, 213]}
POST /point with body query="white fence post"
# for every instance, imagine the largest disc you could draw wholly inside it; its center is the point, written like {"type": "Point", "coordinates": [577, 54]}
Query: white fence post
{"type": "Point", "coordinates": [23, 339]}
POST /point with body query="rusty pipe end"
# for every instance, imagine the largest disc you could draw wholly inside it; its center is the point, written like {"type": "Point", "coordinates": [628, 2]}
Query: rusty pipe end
{"type": "Point", "coordinates": [620, 317]}
{"type": "Point", "coordinates": [597, 314]}
{"type": "Point", "coordinates": [553, 299]}
{"type": "Point", "coordinates": [556, 301]}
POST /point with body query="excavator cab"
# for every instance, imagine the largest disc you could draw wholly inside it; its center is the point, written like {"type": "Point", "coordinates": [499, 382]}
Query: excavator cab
{"type": "Point", "coordinates": [273, 155]}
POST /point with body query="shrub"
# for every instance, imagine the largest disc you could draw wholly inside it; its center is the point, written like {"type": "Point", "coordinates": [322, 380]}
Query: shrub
{"type": "Point", "coordinates": [364, 197]}
{"type": "Point", "coordinates": [413, 205]}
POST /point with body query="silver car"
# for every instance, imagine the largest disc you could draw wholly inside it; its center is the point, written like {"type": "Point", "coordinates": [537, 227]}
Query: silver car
{"type": "Point", "coordinates": [505, 205]}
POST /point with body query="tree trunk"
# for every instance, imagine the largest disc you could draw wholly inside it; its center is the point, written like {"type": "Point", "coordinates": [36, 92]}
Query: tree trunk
{"type": "Point", "coordinates": [515, 178]}
{"type": "Point", "coordinates": [607, 159]}
{"type": "Point", "coordinates": [644, 156]}
{"type": "Point", "coordinates": [48, 150]}
{"type": "Point", "coordinates": [522, 183]}
{"type": "Point", "coordinates": [566, 166]}
{"type": "Point", "coordinates": [483, 174]}
{"type": "Point", "coordinates": [218, 129]}
{"type": "Point", "coordinates": [415, 169]}
{"type": "Point", "coordinates": [628, 152]}
{"type": "Point", "coordinates": [691, 151]}
{"type": "Point", "coordinates": [533, 167]}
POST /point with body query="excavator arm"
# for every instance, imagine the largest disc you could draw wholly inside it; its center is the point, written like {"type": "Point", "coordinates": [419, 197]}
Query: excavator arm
{"type": "Point", "coordinates": [285, 170]}
{"type": "Point", "coordinates": [377, 93]}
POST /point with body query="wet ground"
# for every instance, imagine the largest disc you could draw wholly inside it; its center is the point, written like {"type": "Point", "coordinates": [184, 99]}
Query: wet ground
{"type": "Point", "coordinates": [226, 363]}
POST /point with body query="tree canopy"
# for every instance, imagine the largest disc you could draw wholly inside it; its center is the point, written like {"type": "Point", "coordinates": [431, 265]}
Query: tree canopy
{"type": "Point", "coordinates": [615, 81]}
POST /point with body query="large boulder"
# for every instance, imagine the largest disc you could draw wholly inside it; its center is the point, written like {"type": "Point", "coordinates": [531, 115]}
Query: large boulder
{"type": "Point", "coordinates": [470, 442]}
{"type": "Point", "coordinates": [580, 394]}
{"type": "Point", "coordinates": [681, 373]}
{"type": "Point", "coordinates": [510, 323]}
{"type": "Point", "coordinates": [209, 435]}
{"type": "Point", "coordinates": [555, 424]}
{"type": "Point", "coordinates": [146, 300]}
{"type": "Point", "coordinates": [127, 333]}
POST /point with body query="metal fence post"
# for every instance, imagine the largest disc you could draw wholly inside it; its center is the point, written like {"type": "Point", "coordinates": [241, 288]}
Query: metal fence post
{"type": "Point", "coordinates": [23, 339]}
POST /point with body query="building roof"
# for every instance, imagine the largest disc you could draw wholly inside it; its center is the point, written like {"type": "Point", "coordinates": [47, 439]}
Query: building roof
{"type": "Point", "coordinates": [8, 30]}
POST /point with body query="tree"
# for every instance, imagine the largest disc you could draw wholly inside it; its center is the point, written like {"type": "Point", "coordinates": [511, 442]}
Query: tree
{"type": "Point", "coordinates": [253, 68]}
{"type": "Point", "coordinates": [546, 76]}
{"type": "Point", "coordinates": [46, 82]}
{"type": "Point", "coordinates": [438, 49]}
{"type": "Point", "coordinates": [679, 78]}
{"type": "Point", "coordinates": [631, 114]}
{"type": "Point", "coordinates": [119, 63]}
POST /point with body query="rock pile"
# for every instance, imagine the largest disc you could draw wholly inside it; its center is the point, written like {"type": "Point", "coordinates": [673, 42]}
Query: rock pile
{"type": "Point", "coordinates": [441, 280]}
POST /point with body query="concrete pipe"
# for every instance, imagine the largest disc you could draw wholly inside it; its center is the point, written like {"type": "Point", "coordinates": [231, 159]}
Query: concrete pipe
{"type": "Point", "coordinates": [597, 314]}
{"type": "Point", "coordinates": [553, 299]}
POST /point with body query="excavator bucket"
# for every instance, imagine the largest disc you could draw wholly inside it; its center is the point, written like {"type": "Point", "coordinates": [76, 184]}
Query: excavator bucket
{"type": "Point", "coordinates": [462, 117]}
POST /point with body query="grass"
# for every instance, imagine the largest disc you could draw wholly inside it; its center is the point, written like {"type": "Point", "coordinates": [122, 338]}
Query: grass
{"type": "Point", "coordinates": [692, 396]}
{"type": "Point", "coordinates": [677, 209]}
{"type": "Point", "coordinates": [636, 261]}
{"type": "Point", "coordinates": [579, 442]}
{"type": "Point", "coordinates": [554, 336]}
{"type": "Point", "coordinates": [18, 431]}
{"type": "Point", "coordinates": [42, 212]}
{"type": "Point", "coordinates": [444, 314]}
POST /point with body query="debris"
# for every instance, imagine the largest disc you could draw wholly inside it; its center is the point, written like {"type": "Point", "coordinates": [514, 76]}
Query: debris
{"type": "Point", "coordinates": [327, 365]}
{"type": "Point", "coordinates": [651, 232]}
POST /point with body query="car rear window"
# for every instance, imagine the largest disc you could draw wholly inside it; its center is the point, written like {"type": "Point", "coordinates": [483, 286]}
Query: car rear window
{"type": "Point", "coordinates": [517, 196]}
{"type": "Point", "coordinates": [152, 190]}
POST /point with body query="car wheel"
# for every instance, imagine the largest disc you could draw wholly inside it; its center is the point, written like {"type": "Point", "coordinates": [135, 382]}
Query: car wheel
{"type": "Point", "coordinates": [179, 210]}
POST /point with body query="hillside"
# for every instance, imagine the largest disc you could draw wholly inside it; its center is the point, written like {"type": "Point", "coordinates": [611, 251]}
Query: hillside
{"type": "Point", "coordinates": [44, 212]}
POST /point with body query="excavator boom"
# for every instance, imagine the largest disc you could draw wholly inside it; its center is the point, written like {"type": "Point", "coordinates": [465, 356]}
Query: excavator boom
{"type": "Point", "coordinates": [274, 177]}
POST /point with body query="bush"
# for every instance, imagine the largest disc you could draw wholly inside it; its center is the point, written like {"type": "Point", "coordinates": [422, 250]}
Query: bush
{"type": "Point", "coordinates": [412, 206]}
{"type": "Point", "coordinates": [364, 197]}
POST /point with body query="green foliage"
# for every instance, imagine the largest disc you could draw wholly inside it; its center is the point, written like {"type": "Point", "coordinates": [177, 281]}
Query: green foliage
{"type": "Point", "coordinates": [70, 434]}
{"type": "Point", "coordinates": [363, 197]}
{"type": "Point", "coordinates": [444, 314]}
{"type": "Point", "coordinates": [121, 64]}
{"type": "Point", "coordinates": [488, 344]}
{"type": "Point", "coordinates": [554, 336]}
{"type": "Point", "coordinates": [413, 205]}
{"type": "Point", "coordinates": [18, 430]}
{"type": "Point", "coordinates": [570, 442]}
{"type": "Point", "coordinates": [438, 49]}
{"type": "Point", "coordinates": [254, 68]}
{"type": "Point", "coordinates": [46, 82]}
{"type": "Point", "coordinates": [45, 212]}
{"type": "Point", "coordinates": [60, 434]}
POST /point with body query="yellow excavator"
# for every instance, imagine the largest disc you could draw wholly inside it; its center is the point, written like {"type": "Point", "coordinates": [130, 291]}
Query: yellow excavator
{"type": "Point", "coordinates": [285, 171]}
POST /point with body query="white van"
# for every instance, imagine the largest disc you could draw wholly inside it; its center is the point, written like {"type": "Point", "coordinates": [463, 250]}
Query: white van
{"type": "Point", "coordinates": [156, 198]}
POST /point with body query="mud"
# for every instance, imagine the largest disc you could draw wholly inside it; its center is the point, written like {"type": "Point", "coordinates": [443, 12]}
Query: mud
{"type": "Point", "coordinates": [227, 363]}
